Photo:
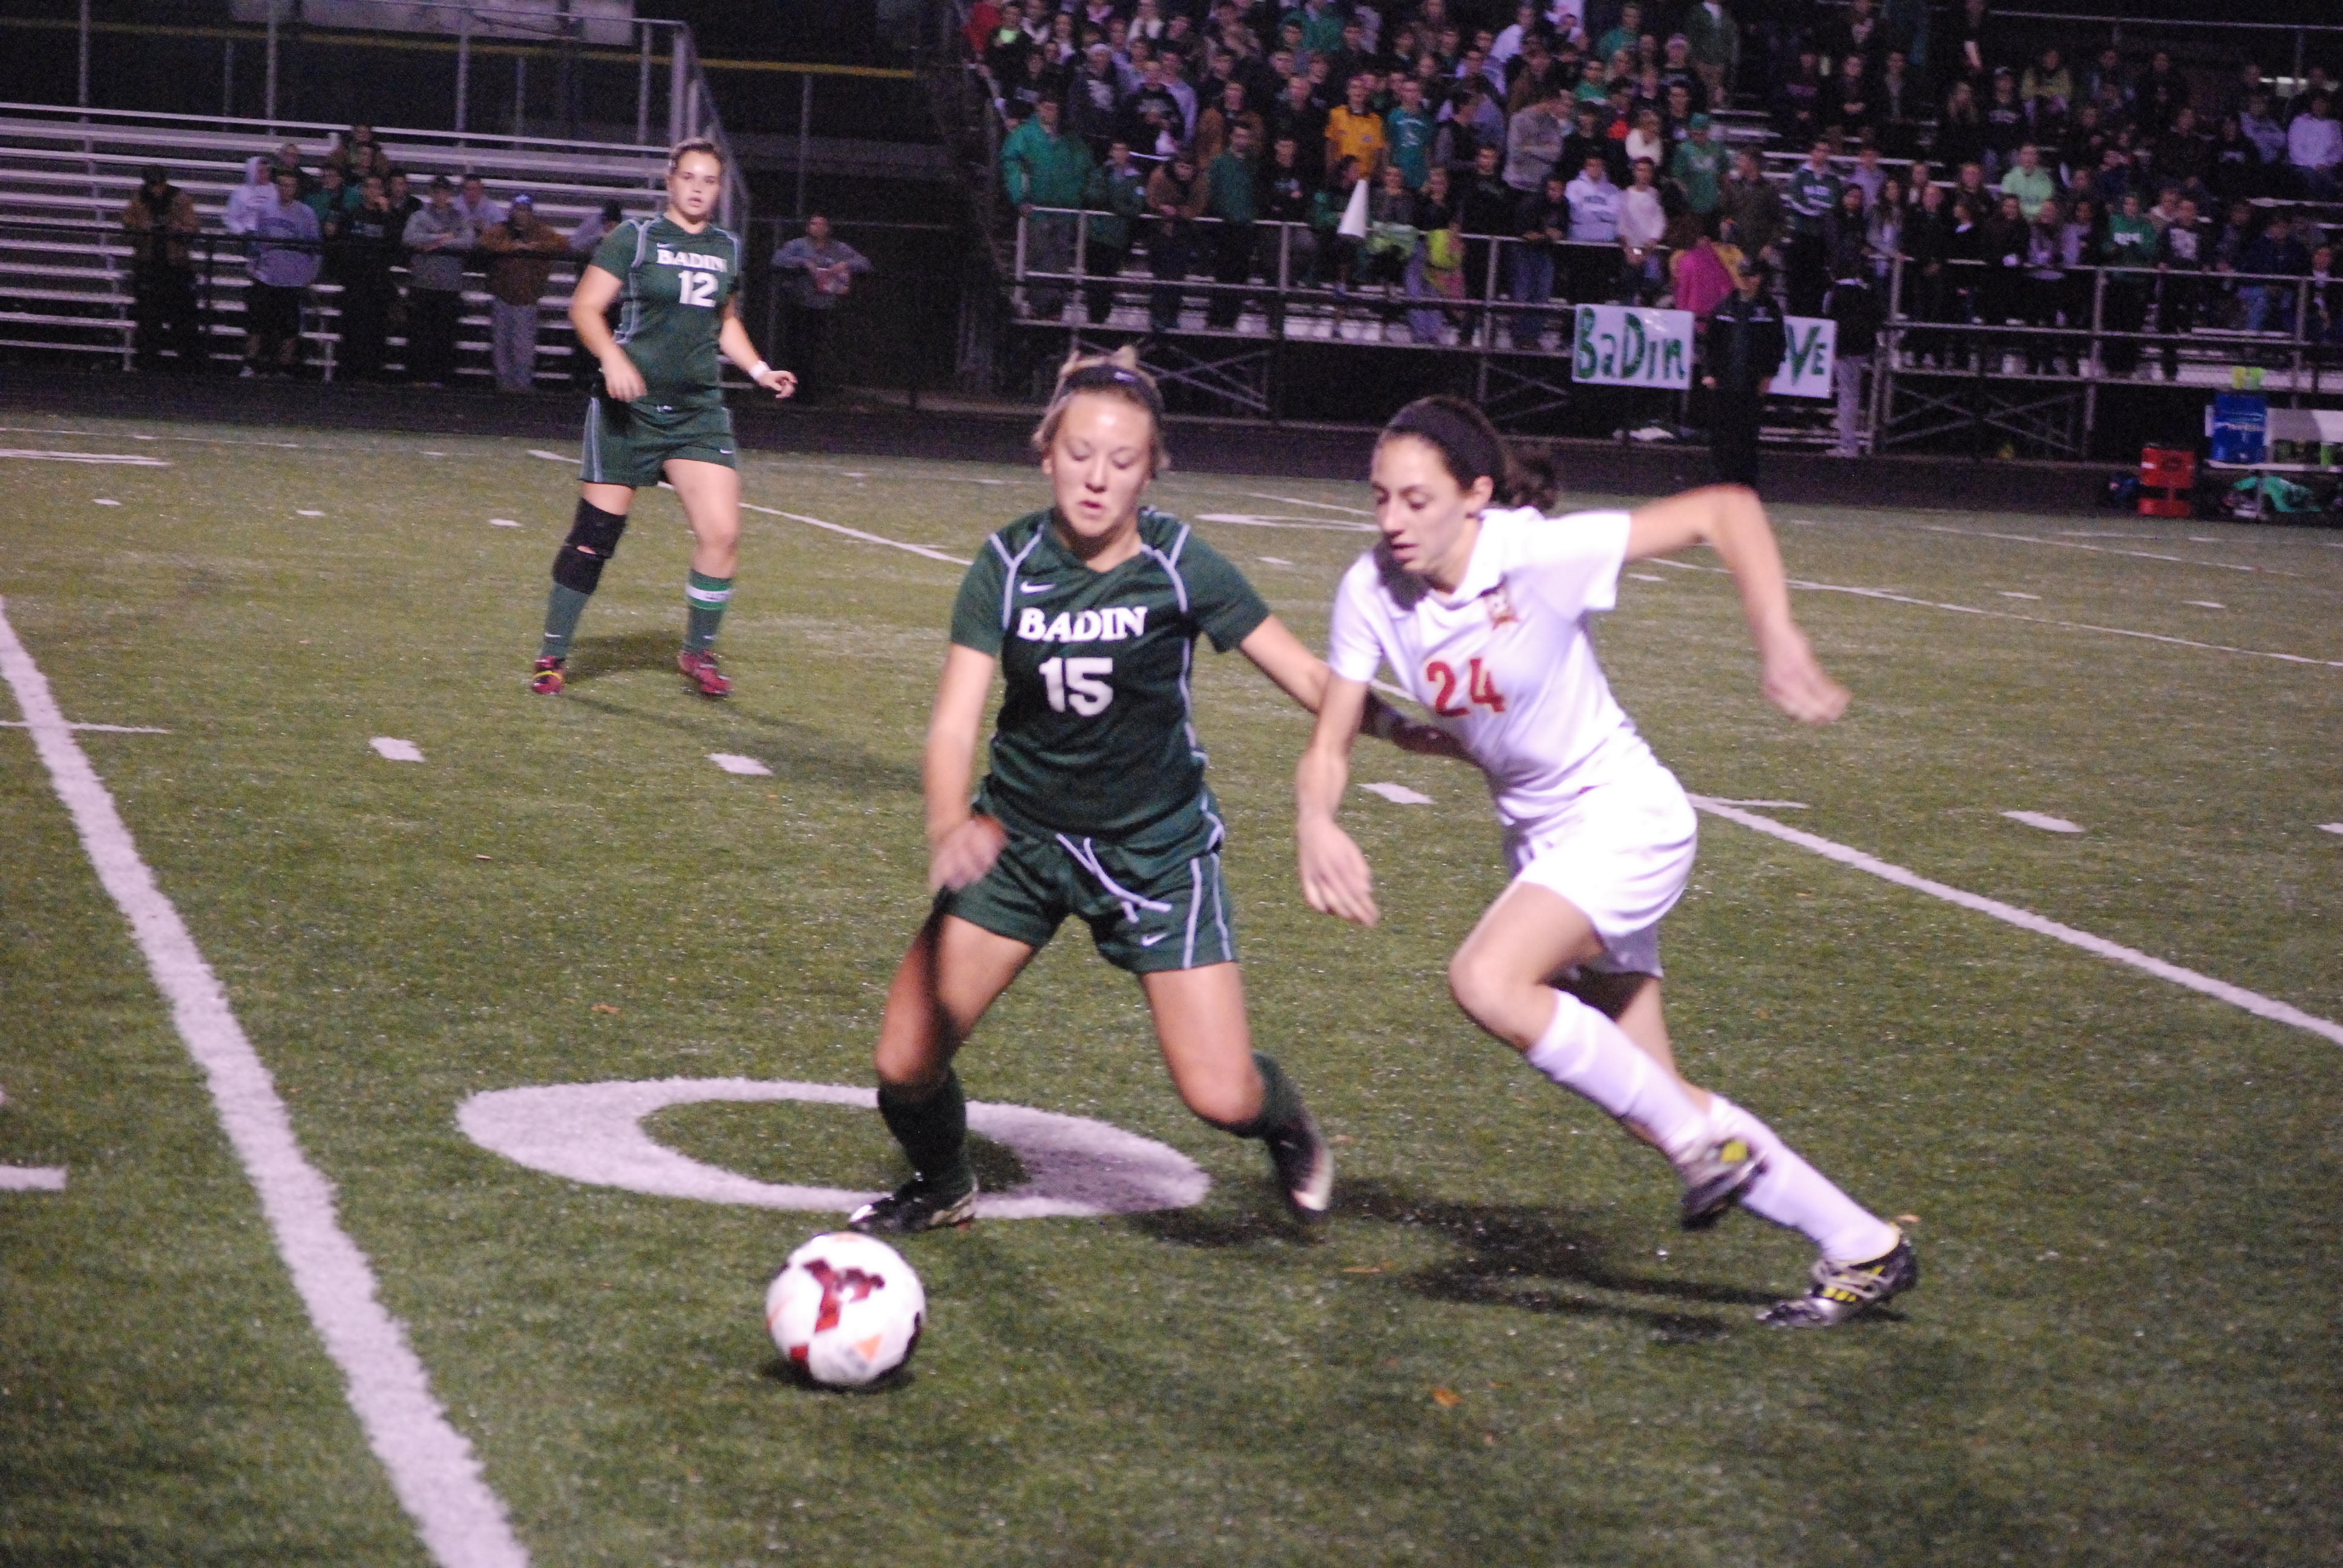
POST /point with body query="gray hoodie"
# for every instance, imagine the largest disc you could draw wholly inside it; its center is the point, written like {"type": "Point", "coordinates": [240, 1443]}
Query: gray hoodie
{"type": "Point", "coordinates": [441, 270]}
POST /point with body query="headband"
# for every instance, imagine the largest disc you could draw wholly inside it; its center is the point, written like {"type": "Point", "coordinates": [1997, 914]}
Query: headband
{"type": "Point", "coordinates": [1106, 377]}
{"type": "Point", "coordinates": [1471, 453]}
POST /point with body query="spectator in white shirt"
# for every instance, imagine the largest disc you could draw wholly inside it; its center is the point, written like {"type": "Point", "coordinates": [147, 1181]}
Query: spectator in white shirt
{"type": "Point", "coordinates": [1642, 222]}
{"type": "Point", "coordinates": [2313, 146]}
{"type": "Point", "coordinates": [1509, 42]}
{"type": "Point", "coordinates": [1594, 204]}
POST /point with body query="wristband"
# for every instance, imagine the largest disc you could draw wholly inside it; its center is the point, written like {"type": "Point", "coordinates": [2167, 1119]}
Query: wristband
{"type": "Point", "coordinates": [757, 372]}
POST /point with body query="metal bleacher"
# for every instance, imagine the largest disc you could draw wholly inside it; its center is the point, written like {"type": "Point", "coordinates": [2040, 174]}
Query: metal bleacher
{"type": "Point", "coordinates": [65, 175]}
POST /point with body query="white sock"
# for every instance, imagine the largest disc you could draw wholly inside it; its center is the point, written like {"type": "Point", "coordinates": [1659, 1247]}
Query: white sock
{"type": "Point", "coordinates": [1584, 1051]}
{"type": "Point", "coordinates": [1791, 1192]}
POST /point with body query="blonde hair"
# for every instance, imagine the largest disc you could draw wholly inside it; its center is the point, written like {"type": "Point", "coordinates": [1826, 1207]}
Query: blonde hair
{"type": "Point", "coordinates": [1116, 375]}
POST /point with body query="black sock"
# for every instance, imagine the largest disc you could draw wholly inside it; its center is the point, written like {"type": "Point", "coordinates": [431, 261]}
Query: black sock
{"type": "Point", "coordinates": [1280, 1103]}
{"type": "Point", "coordinates": [933, 1132]}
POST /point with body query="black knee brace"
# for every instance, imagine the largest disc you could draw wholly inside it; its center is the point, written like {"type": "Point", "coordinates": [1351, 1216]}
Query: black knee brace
{"type": "Point", "coordinates": [593, 540]}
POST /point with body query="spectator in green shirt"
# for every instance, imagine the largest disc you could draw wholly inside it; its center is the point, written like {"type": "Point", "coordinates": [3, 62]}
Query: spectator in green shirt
{"type": "Point", "coordinates": [1698, 167]}
{"type": "Point", "coordinates": [2029, 182]}
{"type": "Point", "coordinates": [1043, 167]}
{"type": "Point", "coordinates": [2130, 245]}
{"type": "Point", "coordinates": [1233, 197]}
{"type": "Point", "coordinates": [1408, 131]}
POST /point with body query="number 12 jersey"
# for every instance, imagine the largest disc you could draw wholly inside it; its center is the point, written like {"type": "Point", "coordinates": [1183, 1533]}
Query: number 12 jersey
{"type": "Point", "coordinates": [674, 286]}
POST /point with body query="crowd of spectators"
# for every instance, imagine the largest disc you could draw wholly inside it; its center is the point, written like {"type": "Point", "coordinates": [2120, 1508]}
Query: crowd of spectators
{"type": "Point", "coordinates": [1992, 182]}
{"type": "Point", "coordinates": [352, 218]}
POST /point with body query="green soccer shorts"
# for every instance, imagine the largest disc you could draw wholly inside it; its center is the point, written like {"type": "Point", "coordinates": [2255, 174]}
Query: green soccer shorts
{"type": "Point", "coordinates": [1153, 903]}
{"type": "Point", "coordinates": [631, 444]}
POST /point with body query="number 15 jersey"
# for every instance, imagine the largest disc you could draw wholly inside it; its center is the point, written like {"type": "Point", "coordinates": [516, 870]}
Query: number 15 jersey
{"type": "Point", "coordinates": [1096, 733]}
{"type": "Point", "coordinates": [674, 284]}
{"type": "Point", "coordinates": [1504, 664]}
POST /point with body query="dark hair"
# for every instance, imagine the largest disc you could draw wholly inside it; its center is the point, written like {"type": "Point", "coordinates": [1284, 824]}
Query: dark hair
{"type": "Point", "coordinates": [688, 146]}
{"type": "Point", "coordinates": [1471, 450]}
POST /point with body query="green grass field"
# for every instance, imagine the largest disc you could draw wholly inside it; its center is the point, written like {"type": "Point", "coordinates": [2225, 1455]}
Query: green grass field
{"type": "Point", "coordinates": [2124, 1350]}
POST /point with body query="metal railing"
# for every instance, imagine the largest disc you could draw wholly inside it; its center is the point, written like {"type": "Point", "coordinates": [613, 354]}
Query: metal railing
{"type": "Point", "coordinates": [105, 318]}
{"type": "Point", "coordinates": [666, 86]}
{"type": "Point", "coordinates": [2103, 328]}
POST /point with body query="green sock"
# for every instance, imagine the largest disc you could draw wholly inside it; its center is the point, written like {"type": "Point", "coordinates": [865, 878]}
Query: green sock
{"type": "Point", "coordinates": [561, 613]}
{"type": "Point", "coordinates": [933, 1132]}
{"type": "Point", "coordinates": [705, 598]}
{"type": "Point", "coordinates": [1280, 1103]}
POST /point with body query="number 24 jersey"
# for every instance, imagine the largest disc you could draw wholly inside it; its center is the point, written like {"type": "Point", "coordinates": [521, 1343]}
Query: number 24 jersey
{"type": "Point", "coordinates": [1096, 733]}
{"type": "Point", "coordinates": [1505, 664]}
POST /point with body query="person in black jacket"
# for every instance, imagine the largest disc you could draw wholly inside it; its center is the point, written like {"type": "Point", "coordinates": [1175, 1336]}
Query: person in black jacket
{"type": "Point", "coordinates": [1745, 343]}
{"type": "Point", "coordinates": [1857, 314]}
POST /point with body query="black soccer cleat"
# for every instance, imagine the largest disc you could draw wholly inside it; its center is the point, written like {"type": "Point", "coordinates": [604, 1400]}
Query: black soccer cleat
{"type": "Point", "coordinates": [911, 1208]}
{"type": "Point", "coordinates": [1304, 1166]}
{"type": "Point", "coordinates": [1843, 1290]}
{"type": "Point", "coordinates": [1715, 1179]}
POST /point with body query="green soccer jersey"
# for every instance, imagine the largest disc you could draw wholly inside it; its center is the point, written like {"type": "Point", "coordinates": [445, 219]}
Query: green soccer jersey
{"type": "Point", "coordinates": [1096, 734]}
{"type": "Point", "coordinates": [673, 286]}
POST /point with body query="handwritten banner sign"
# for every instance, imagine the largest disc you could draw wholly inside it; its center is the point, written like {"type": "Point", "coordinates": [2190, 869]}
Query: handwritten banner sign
{"type": "Point", "coordinates": [1806, 369]}
{"type": "Point", "coordinates": [1623, 345]}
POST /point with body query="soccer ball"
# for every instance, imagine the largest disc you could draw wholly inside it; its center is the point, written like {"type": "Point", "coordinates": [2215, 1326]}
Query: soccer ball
{"type": "Point", "coordinates": [845, 1309]}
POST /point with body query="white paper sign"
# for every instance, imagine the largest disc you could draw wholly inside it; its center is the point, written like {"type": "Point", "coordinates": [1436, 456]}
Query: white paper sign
{"type": "Point", "coordinates": [1806, 361]}
{"type": "Point", "coordinates": [1623, 345]}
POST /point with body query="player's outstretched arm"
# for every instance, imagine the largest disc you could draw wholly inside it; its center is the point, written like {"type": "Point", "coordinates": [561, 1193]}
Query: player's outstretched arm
{"type": "Point", "coordinates": [1729, 519]}
{"type": "Point", "coordinates": [732, 338]}
{"type": "Point", "coordinates": [1281, 655]}
{"type": "Point", "coordinates": [961, 845]}
{"type": "Point", "coordinates": [589, 310]}
{"type": "Point", "coordinates": [1335, 878]}
{"type": "Point", "coordinates": [1302, 675]}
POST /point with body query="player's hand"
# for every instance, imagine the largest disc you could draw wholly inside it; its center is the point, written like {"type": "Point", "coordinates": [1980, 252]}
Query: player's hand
{"type": "Point", "coordinates": [1794, 680]}
{"type": "Point", "coordinates": [620, 378]}
{"type": "Point", "coordinates": [779, 383]}
{"type": "Point", "coordinates": [1334, 875]}
{"type": "Point", "coordinates": [965, 854]}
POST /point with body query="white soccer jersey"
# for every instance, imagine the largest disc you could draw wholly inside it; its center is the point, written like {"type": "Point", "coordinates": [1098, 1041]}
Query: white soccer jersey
{"type": "Point", "coordinates": [1504, 664]}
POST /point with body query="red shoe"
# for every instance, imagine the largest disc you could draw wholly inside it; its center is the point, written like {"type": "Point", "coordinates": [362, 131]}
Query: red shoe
{"type": "Point", "coordinates": [550, 677]}
{"type": "Point", "coordinates": [699, 667]}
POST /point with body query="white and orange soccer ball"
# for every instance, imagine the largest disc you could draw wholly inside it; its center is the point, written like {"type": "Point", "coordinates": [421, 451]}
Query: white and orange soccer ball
{"type": "Point", "coordinates": [845, 1309]}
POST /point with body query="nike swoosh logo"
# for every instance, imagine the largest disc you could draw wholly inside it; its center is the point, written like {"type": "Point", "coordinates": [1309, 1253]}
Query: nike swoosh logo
{"type": "Point", "coordinates": [1150, 942]}
{"type": "Point", "coordinates": [1035, 588]}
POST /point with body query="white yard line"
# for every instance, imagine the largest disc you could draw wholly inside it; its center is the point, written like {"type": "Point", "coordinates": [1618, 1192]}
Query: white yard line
{"type": "Point", "coordinates": [2045, 821]}
{"type": "Point", "coordinates": [1398, 794]}
{"type": "Point", "coordinates": [858, 534]}
{"type": "Point", "coordinates": [2026, 920]}
{"type": "Point", "coordinates": [431, 1465]}
{"type": "Point", "coordinates": [391, 748]}
{"type": "Point", "coordinates": [104, 728]}
{"type": "Point", "coordinates": [2030, 619]}
{"type": "Point", "coordinates": [2099, 550]}
{"type": "Point", "coordinates": [1271, 520]}
{"type": "Point", "coordinates": [31, 456]}
{"type": "Point", "coordinates": [1298, 501]}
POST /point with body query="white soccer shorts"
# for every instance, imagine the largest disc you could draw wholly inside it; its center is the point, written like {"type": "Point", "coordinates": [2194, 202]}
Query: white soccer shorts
{"type": "Point", "coordinates": [1621, 853]}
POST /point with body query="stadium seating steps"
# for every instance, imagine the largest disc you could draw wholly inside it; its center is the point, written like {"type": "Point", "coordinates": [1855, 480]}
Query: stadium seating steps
{"type": "Point", "coordinates": [67, 173]}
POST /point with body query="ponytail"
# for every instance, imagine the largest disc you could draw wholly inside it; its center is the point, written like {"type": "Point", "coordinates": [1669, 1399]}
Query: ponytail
{"type": "Point", "coordinates": [1471, 450]}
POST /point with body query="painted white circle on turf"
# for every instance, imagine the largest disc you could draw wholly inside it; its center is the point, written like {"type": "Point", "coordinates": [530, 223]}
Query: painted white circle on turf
{"type": "Point", "coordinates": [593, 1132]}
